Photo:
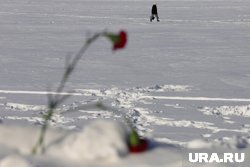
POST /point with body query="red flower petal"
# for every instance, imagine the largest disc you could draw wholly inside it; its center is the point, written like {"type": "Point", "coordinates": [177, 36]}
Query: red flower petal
{"type": "Point", "coordinates": [121, 43]}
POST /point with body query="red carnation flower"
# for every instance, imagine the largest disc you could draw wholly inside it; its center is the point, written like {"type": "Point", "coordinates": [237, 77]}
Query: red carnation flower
{"type": "Point", "coordinates": [137, 144]}
{"type": "Point", "coordinates": [141, 147]}
{"type": "Point", "coordinates": [119, 40]}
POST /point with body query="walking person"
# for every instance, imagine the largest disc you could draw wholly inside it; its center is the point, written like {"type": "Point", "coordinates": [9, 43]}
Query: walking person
{"type": "Point", "coordinates": [154, 13]}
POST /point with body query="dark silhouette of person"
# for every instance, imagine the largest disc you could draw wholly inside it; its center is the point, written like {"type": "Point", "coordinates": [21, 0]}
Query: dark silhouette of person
{"type": "Point", "coordinates": [154, 13]}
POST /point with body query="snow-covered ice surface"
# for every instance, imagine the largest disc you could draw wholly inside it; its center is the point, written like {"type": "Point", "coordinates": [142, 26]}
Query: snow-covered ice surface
{"type": "Point", "coordinates": [184, 81]}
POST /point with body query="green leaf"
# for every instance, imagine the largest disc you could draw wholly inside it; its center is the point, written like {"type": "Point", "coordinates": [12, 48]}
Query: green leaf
{"type": "Point", "coordinates": [134, 138]}
{"type": "Point", "coordinates": [113, 37]}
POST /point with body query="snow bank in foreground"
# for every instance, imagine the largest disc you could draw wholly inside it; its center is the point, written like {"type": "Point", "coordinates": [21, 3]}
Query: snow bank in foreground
{"type": "Point", "coordinates": [21, 138]}
{"type": "Point", "coordinates": [102, 140]}
{"type": "Point", "coordinates": [14, 160]}
{"type": "Point", "coordinates": [100, 144]}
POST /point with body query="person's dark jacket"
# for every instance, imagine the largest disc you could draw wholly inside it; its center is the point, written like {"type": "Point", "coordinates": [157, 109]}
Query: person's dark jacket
{"type": "Point", "coordinates": [154, 9]}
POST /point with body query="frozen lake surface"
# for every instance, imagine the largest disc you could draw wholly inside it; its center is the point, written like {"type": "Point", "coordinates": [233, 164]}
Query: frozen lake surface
{"type": "Point", "coordinates": [186, 77]}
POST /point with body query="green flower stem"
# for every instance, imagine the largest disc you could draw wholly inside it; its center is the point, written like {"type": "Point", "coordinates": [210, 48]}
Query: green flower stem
{"type": "Point", "coordinates": [56, 100]}
{"type": "Point", "coordinates": [134, 139]}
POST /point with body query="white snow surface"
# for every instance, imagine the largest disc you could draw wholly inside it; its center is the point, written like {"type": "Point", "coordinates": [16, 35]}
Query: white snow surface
{"type": "Point", "coordinates": [102, 140]}
{"type": "Point", "coordinates": [13, 160]}
{"type": "Point", "coordinates": [243, 110]}
{"type": "Point", "coordinates": [184, 81]}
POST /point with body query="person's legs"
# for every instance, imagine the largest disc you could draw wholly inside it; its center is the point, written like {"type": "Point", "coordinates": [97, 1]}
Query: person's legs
{"type": "Point", "coordinates": [152, 17]}
{"type": "Point", "coordinates": [157, 17]}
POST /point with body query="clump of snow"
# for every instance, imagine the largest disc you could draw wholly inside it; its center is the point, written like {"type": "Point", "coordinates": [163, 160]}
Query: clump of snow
{"type": "Point", "coordinates": [236, 142]}
{"type": "Point", "coordinates": [123, 98]}
{"type": "Point", "coordinates": [169, 88]}
{"type": "Point", "coordinates": [164, 88]}
{"type": "Point", "coordinates": [34, 120]}
{"type": "Point", "coordinates": [14, 160]}
{"type": "Point", "coordinates": [89, 92]}
{"type": "Point", "coordinates": [198, 144]}
{"type": "Point", "coordinates": [243, 110]}
{"type": "Point", "coordinates": [126, 97]}
{"type": "Point", "coordinates": [170, 141]}
{"type": "Point", "coordinates": [101, 140]}
{"type": "Point", "coordinates": [24, 107]}
{"type": "Point", "coordinates": [56, 120]}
